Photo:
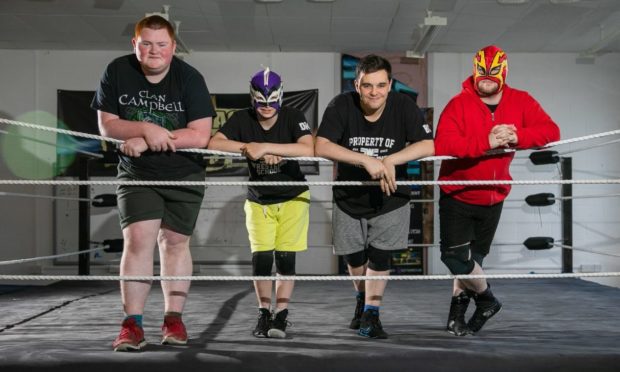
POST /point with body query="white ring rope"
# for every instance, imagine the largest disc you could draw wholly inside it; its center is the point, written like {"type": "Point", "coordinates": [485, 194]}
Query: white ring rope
{"type": "Point", "coordinates": [415, 245]}
{"type": "Point", "coordinates": [2, 193]}
{"type": "Point", "coordinates": [92, 154]}
{"type": "Point", "coordinates": [307, 277]}
{"type": "Point", "coordinates": [585, 197]}
{"type": "Point", "coordinates": [588, 148]}
{"type": "Point", "coordinates": [199, 151]}
{"type": "Point", "coordinates": [213, 152]}
{"type": "Point", "coordinates": [412, 201]}
{"type": "Point", "coordinates": [307, 183]}
{"type": "Point", "coordinates": [319, 183]}
{"type": "Point", "coordinates": [585, 250]}
{"type": "Point", "coordinates": [41, 258]}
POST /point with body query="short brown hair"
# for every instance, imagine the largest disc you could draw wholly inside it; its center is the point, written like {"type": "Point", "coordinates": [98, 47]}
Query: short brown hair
{"type": "Point", "coordinates": [154, 22]}
{"type": "Point", "coordinates": [373, 63]}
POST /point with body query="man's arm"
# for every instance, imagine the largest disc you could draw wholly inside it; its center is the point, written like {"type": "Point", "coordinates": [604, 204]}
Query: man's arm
{"type": "Point", "coordinates": [195, 136]}
{"type": "Point", "coordinates": [155, 137]}
{"type": "Point", "coordinates": [303, 147]}
{"type": "Point", "coordinates": [220, 142]}
{"type": "Point", "coordinates": [327, 149]}
{"type": "Point", "coordinates": [413, 151]}
{"type": "Point", "coordinates": [538, 127]}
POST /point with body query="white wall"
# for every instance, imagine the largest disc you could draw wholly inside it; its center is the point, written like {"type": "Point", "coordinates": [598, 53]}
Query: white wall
{"type": "Point", "coordinates": [582, 99]}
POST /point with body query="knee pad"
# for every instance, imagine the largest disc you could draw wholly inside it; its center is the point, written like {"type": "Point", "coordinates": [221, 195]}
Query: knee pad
{"type": "Point", "coordinates": [379, 259]}
{"type": "Point", "coordinates": [262, 263]}
{"type": "Point", "coordinates": [285, 263]}
{"type": "Point", "coordinates": [478, 257]}
{"type": "Point", "coordinates": [458, 259]}
{"type": "Point", "coordinates": [356, 259]}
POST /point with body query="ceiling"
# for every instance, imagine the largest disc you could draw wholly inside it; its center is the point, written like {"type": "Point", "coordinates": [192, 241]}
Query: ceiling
{"type": "Point", "coordinates": [313, 26]}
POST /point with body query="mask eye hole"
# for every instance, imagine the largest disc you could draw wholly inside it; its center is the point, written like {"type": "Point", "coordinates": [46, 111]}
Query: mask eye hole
{"type": "Point", "coordinates": [481, 70]}
{"type": "Point", "coordinates": [496, 70]}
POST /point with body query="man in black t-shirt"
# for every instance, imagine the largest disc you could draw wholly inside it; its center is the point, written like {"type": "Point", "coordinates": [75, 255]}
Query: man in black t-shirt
{"type": "Point", "coordinates": [156, 103]}
{"type": "Point", "coordinates": [277, 217]}
{"type": "Point", "coordinates": [372, 133]}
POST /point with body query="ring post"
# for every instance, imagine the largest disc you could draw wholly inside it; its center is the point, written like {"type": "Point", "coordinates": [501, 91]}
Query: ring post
{"type": "Point", "coordinates": [83, 218]}
{"type": "Point", "coordinates": [566, 164]}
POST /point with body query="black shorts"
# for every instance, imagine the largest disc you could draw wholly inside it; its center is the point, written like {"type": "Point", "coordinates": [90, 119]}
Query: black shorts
{"type": "Point", "coordinates": [461, 223]}
{"type": "Point", "coordinates": [176, 206]}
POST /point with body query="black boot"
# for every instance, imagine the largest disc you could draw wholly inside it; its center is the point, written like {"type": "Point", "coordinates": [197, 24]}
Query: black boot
{"type": "Point", "coordinates": [278, 324]}
{"type": "Point", "coordinates": [357, 315]}
{"type": "Point", "coordinates": [486, 307]}
{"type": "Point", "coordinates": [456, 319]}
{"type": "Point", "coordinates": [263, 324]}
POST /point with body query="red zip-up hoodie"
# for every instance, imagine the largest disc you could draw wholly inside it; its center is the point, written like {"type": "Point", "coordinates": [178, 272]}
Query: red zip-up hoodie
{"type": "Point", "coordinates": [463, 132]}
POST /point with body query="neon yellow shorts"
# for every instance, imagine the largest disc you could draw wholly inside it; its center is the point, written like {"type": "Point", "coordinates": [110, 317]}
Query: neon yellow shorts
{"type": "Point", "coordinates": [281, 226]}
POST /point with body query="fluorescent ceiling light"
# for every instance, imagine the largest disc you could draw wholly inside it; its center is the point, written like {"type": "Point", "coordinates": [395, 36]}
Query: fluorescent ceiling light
{"type": "Point", "coordinates": [596, 49]}
{"type": "Point", "coordinates": [430, 29]}
{"type": "Point", "coordinates": [512, 2]}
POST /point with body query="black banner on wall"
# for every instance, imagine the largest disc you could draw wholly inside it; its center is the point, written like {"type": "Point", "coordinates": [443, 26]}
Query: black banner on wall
{"type": "Point", "coordinates": [74, 113]}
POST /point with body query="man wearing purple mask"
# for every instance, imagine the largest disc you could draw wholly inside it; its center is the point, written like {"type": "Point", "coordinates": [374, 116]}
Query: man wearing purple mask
{"type": "Point", "coordinates": [277, 217]}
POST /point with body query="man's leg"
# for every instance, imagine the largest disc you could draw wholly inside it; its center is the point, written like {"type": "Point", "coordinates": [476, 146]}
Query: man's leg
{"type": "Point", "coordinates": [285, 265]}
{"type": "Point", "coordinates": [175, 260]}
{"type": "Point", "coordinates": [262, 265]}
{"type": "Point", "coordinates": [378, 265]}
{"type": "Point", "coordinates": [349, 236]}
{"type": "Point", "coordinates": [137, 260]}
{"type": "Point", "coordinates": [357, 264]}
{"type": "Point", "coordinates": [486, 303]}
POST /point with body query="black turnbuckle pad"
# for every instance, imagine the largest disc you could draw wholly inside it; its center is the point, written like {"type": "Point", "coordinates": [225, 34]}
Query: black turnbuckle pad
{"type": "Point", "coordinates": [105, 200]}
{"type": "Point", "coordinates": [113, 245]}
{"type": "Point", "coordinates": [540, 200]}
{"type": "Point", "coordinates": [537, 243]}
{"type": "Point", "coordinates": [545, 157]}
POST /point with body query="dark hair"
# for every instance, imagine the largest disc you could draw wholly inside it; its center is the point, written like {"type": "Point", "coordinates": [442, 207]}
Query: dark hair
{"type": "Point", "coordinates": [373, 63]}
{"type": "Point", "coordinates": [154, 22]}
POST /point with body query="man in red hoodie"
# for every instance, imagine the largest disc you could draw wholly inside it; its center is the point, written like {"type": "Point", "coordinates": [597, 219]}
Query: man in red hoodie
{"type": "Point", "coordinates": [487, 114]}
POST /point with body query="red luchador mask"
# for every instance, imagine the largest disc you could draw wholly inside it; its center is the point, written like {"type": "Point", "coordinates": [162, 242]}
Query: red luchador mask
{"type": "Point", "coordinates": [490, 63]}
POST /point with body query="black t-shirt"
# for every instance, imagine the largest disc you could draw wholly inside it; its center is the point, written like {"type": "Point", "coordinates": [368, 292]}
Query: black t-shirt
{"type": "Point", "coordinates": [243, 126]}
{"type": "Point", "coordinates": [343, 123]}
{"type": "Point", "coordinates": [181, 97]}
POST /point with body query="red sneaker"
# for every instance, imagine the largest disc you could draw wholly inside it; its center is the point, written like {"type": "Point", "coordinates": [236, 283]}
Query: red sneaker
{"type": "Point", "coordinates": [131, 337]}
{"type": "Point", "coordinates": [174, 332]}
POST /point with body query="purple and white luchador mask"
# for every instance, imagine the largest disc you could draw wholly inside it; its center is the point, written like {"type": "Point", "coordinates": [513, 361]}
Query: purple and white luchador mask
{"type": "Point", "coordinates": [266, 89]}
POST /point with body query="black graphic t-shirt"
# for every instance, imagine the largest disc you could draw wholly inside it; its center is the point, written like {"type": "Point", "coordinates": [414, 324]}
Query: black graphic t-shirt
{"type": "Point", "coordinates": [181, 97]}
{"type": "Point", "coordinates": [243, 126]}
{"type": "Point", "coordinates": [343, 123]}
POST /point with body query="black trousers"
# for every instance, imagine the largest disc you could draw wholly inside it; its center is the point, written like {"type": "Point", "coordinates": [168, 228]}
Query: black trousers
{"type": "Point", "coordinates": [461, 223]}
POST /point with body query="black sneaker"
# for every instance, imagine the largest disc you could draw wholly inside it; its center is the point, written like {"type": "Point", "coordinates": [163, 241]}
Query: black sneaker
{"type": "Point", "coordinates": [357, 315]}
{"type": "Point", "coordinates": [264, 323]}
{"type": "Point", "coordinates": [456, 319]}
{"type": "Point", "coordinates": [486, 307]}
{"type": "Point", "coordinates": [370, 325]}
{"type": "Point", "coordinates": [278, 325]}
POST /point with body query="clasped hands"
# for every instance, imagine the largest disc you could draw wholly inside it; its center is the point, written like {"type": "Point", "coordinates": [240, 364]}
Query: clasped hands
{"type": "Point", "coordinates": [503, 135]}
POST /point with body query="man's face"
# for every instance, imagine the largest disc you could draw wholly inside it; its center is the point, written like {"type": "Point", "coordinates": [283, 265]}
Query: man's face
{"type": "Point", "coordinates": [373, 89]}
{"type": "Point", "coordinates": [266, 112]}
{"type": "Point", "coordinates": [490, 65]}
{"type": "Point", "coordinates": [487, 87]}
{"type": "Point", "coordinates": [154, 49]}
